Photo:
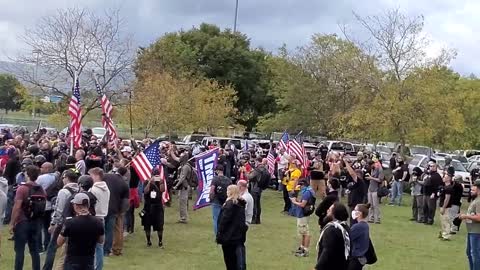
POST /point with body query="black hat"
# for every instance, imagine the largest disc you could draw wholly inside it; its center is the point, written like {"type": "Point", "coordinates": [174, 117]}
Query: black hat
{"type": "Point", "coordinates": [85, 182]}
{"type": "Point", "coordinates": [303, 182]}
{"type": "Point", "coordinates": [450, 171]}
{"type": "Point", "coordinates": [417, 171]}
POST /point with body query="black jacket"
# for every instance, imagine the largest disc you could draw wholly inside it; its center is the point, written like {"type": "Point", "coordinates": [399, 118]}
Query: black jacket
{"type": "Point", "coordinates": [232, 228]}
{"type": "Point", "coordinates": [331, 253]}
{"type": "Point", "coordinates": [322, 208]}
{"type": "Point", "coordinates": [12, 168]}
{"type": "Point", "coordinates": [119, 192]}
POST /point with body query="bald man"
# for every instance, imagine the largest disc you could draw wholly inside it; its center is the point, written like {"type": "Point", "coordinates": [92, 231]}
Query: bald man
{"type": "Point", "coordinates": [46, 180]}
{"type": "Point", "coordinates": [243, 187]}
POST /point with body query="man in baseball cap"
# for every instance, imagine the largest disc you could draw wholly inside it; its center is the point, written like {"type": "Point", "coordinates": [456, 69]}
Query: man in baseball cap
{"type": "Point", "coordinates": [83, 232]}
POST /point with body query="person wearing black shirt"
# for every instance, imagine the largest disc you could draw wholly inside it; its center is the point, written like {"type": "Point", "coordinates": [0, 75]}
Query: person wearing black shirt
{"type": "Point", "coordinates": [445, 204]}
{"type": "Point", "coordinates": [82, 233]}
{"type": "Point", "coordinates": [393, 162]}
{"type": "Point", "coordinates": [456, 201]}
{"type": "Point", "coordinates": [432, 183]}
{"type": "Point", "coordinates": [153, 213]}
{"type": "Point", "coordinates": [356, 187]}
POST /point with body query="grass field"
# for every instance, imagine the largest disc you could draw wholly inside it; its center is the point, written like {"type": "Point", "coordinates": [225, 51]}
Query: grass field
{"type": "Point", "coordinates": [400, 244]}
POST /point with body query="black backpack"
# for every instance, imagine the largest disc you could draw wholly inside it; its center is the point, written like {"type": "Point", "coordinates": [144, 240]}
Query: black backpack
{"type": "Point", "coordinates": [221, 189]}
{"type": "Point", "coordinates": [68, 210]}
{"type": "Point", "coordinates": [309, 208]}
{"type": "Point", "coordinates": [265, 178]}
{"type": "Point", "coordinates": [35, 203]}
{"type": "Point", "coordinates": [193, 179]}
{"type": "Point", "coordinates": [54, 188]}
{"type": "Point", "coordinates": [371, 256]}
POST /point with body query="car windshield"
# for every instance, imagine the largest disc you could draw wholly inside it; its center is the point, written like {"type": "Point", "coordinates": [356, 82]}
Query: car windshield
{"type": "Point", "coordinates": [420, 151]}
{"type": "Point", "coordinates": [460, 158]}
{"type": "Point", "coordinates": [98, 130]}
{"type": "Point", "coordinates": [456, 165]}
{"type": "Point", "coordinates": [384, 149]}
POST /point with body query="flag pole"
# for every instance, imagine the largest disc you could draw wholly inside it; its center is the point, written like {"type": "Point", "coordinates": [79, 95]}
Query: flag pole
{"type": "Point", "coordinates": [70, 128]}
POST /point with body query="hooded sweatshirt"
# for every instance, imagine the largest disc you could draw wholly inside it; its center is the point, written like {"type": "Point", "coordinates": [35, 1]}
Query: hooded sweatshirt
{"type": "Point", "coordinates": [62, 199]}
{"type": "Point", "coordinates": [102, 193]}
{"type": "Point", "coordinates": [3, 197]}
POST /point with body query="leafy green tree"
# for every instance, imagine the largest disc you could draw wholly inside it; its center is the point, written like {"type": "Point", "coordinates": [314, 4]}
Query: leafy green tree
{"type": "Point", "coordinates": [223, 56]}
{"type": "Point", "coordinates": [10, 98]}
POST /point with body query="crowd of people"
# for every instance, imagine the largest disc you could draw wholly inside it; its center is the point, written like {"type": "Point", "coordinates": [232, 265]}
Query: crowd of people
{"type": "Point", "coordinates": [78, 206]}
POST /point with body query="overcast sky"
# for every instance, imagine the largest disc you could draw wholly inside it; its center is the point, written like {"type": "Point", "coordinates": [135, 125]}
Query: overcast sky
{"type": "Point", "coordinates": [268, 23]}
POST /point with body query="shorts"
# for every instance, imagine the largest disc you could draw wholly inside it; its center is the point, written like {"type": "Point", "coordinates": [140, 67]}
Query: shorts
{"type": "Point", "coordinates": [302, 226]}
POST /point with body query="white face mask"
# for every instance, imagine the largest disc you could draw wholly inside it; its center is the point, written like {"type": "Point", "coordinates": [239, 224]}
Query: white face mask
{"type": "Point", "coordinates": [355, 214]}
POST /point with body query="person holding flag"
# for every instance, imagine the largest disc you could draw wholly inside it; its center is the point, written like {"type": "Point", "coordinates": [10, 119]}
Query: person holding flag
{"type": "Point", "coordinates": [75, 112]}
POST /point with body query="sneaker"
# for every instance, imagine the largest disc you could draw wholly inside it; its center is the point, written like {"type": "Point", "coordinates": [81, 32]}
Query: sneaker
{"type": "Point", "coordinates": [413, 219]}
{"type": "Point", "coordinates": [298, 250]}
{"type": "Point", "coordinates": [453, 232]}
{"type": "Point", "coordinates": [440, 236]}
{"type": "Point", "coordinates": [149, 244]}
{"type": "Point", "coordinates": [378, 222]}
{"type": "Point", "coordinates": [445, 239]}
{"type": "Point", "coordinates": [370, 221]}
{"type": "Point", "coordinates": [304, 253]}
{"type": "Point", "coordinates": [160, 245]}
{"type": "Point", "coordinates": [182, 221]}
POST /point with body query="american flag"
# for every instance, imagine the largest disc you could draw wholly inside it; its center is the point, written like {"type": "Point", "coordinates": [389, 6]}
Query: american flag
{"type": "Point", "coordinates": [75, 112]}
{"type": "Point", "coordinates": [107, 122]}
{"type": "Point", "coordinates": [297, 148]}
{"type": "Point", "coordinates": [144, 162]}
{"type": "Point", "coordinates": [271, 161]}
{"type": "Point", "coordinates": [284, 142]}
{"type": "Point", "coordinates": [165, 195]}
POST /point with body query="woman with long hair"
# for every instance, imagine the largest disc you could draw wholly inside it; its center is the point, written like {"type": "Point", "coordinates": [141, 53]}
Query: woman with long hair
{"type": "Point", "coordinates": [359, 237]}
{"type": "Point", "coordinates": [334, 242]}
{"type": "Point", "coordinates": [232, 230]}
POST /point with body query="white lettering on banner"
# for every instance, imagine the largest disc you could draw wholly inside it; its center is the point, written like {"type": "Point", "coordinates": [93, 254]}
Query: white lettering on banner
{"type": "Point", "coordinates": [206, 170]}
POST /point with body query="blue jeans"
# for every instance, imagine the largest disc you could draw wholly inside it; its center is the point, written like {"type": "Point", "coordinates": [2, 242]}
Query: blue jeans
{"type": "Point", "coordinates": [27, 232]}
{"type": "Point", "coordinates": [397, 191]}
{"type": "Point", "coordinates": [234, 256]}
{"type": "Point", "coordinates": [473, 250]}
{"type": "Point", "coordinates": [99, 253]}
{"type": "Point", "coordinates": [216, 208]}
{"type": "Point", "coordinates": [52, 249]}
{"type": "Point", "coordinates": [10, 202]}
{"type": "Point", "coordinates": [109, 224]}
{"type": "Point", "coordinates": [140, 191]}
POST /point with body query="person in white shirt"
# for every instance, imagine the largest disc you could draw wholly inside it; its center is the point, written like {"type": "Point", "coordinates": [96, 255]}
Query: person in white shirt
{"type": "Point", "coordinates": [243, 187]}
{"type": "Point", "coordinates": [80, 165]}
{"type": "Point", "coordinates": [283, 159]}
{"type": "Point", "coordinates": [46, 179]}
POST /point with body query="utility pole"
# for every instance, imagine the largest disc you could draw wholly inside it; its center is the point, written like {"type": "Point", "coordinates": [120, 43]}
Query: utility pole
{"type": "Point", "coordinates": [35, 78]}
{"type": "Point", "coordinates": [236, 17]}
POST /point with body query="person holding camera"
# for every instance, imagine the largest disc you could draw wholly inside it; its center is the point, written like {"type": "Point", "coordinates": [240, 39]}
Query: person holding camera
{"type": "Point", "coordinates": [153, 213]}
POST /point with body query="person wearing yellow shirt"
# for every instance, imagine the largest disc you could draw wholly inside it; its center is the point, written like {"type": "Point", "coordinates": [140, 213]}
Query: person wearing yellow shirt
{"type": "Point", "coordinates": [294, 176]}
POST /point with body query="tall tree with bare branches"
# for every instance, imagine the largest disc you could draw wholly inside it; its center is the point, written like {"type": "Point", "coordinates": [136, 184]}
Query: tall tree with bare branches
{"type": "Point", "coordinates": [78, 41]}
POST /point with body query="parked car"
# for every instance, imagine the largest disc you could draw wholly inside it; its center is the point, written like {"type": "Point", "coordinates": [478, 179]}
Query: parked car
{"type": "Point", "coordinates": [221, 141]}
{"type": "Point", "coordinates": [195, 137]}
{"type": "Point", "coordinates": [472, 165]}
{"type": "Point", "coordinates": [385, 159]}
{"type": "Point", "coordinates": [99, 132]}
{"type": "Point", "coordinates": [340, 147]}
{"type": "Point", "coordinates": [467, 153]}
{"type": "Point", "coordinates": [422, 162]}
{"type": "Point", "coordinates": [474, 158]}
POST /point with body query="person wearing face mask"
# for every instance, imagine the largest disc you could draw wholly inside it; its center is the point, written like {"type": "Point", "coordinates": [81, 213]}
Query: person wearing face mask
{"type": "Point", "coordinates": [359, 237]}
{"type": "Point", "coordinates": [334, 243]}
{"type": "Point", "coordinates": [399, 176]}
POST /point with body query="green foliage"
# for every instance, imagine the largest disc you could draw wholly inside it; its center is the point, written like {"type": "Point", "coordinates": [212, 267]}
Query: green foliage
{"type": "Point", "coordinates": [10, 88]}
{"type": "Point", "coordinates": [223, 56]}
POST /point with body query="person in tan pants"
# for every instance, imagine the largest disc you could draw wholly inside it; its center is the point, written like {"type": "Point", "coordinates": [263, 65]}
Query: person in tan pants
{"type": "Point", "coordinates": [317, 181]}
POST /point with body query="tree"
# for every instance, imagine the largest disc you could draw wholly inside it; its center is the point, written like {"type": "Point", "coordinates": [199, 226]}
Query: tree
{"type": "Point", "coordinates": [398, 47]}
{"type": "Point", "coordinates": [223, 56]}
{"type": "Point", "coordinates": [77, 41]}
{"type": "Point", "coordinates": [10, 88]}
{"type": "Point", "coordinates": [317, 85]}
{"type": "Point", "coordinates": [164, 103]}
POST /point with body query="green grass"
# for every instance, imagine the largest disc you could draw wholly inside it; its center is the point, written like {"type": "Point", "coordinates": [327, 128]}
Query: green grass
{"type": "Point", "coordinates": [400, 244]}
